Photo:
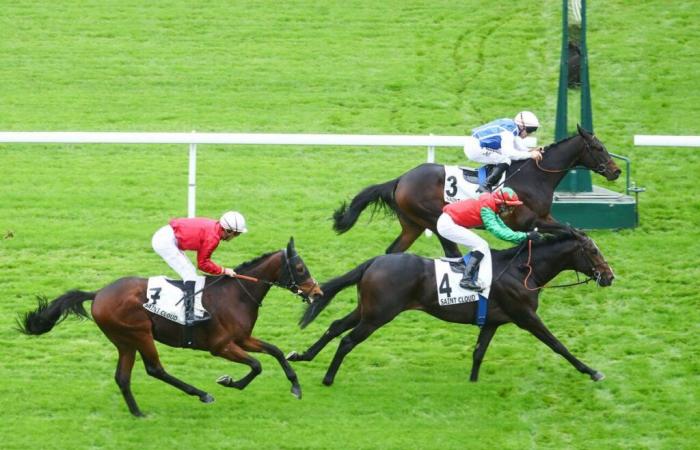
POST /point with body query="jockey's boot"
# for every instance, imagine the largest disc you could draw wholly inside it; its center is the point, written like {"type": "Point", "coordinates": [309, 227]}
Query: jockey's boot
{"type": "Point", "coordinates": [493, 178]}
{"type": "Point", "coordinates": [189, 306]}
{"type": "Point", "coordinates": [471, 272]}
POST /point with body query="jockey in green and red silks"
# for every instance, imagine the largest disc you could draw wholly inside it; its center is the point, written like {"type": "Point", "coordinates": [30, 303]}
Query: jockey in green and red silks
{"type": "Point", "coordinates": [457, 219]}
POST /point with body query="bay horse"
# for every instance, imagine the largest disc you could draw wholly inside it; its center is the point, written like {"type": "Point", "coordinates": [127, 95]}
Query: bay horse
{"type": "Point", "coordinates": [417, 196]}
{"type": "Point", "coordinates": [390, 284]}
{"type": "Point", "coordinates": [232, 302]}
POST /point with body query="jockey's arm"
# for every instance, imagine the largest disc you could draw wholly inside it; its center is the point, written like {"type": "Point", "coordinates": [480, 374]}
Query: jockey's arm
{"type": "Point", "coordinates": [514, 147]}
{"type": "Point", "coordinates": [495, 226]}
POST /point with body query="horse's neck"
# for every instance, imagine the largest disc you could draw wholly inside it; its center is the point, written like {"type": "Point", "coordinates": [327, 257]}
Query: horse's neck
{"type": "Point", "coordinates": [550, 259]}
{"type": "Point", "coordinates": [267, 268]}
{"type": "Point", "coordinates": [535, 185]}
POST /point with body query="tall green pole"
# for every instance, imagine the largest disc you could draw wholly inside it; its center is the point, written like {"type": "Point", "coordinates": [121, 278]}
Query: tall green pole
{"type": "Point", "coordinates": [560, 131]}
{"type": "Point", "coordinates": [586, 108]}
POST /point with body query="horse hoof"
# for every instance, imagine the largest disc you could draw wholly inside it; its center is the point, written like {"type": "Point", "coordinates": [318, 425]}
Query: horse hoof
{"type": "Point", "coordinates": [328, 381]}
{"type": "Point", "coordinates": [293, 356]}
{"type": "Point", "coordinates": [598, 376]}
{"type": "Point", "coordinates": [224, 380]}
{"type": "Point", "coordinates": [206, 398]}
{"type": "Point", "coordinates": [296, 391]}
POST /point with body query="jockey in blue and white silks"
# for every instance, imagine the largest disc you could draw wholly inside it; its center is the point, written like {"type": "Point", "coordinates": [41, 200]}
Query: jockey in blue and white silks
{"type": "Point", "coordinates": [501, 141]}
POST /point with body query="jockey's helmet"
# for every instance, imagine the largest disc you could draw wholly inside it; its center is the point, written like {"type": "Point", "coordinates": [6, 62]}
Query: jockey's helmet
{"type": "Point", "coordinates": [527, 121]}
{"type": "Point", "coordinates": [233, 221]}
{"type": "Point", "coordinates": [508, 196]}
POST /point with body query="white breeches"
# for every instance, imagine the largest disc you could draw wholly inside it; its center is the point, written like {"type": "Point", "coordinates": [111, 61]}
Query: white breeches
{"type": "Point", "coordinates": [165, 244]}
{"type": "Point", "coordinates": [474, 151]}
{"type": "Point", "coordinates": [460, 235]}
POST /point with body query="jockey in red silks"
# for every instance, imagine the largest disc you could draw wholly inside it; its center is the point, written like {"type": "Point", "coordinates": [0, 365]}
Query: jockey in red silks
{"type": "Point", "coordinates": [203, 236]}
{"type": "Point", "coordinates": [457, 218]}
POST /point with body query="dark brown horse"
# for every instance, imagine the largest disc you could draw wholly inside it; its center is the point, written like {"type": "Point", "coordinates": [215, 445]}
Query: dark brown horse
{"type": "Point", "coordinates": [118, 311]}
{"type": "Point", "coordinates": [390, 284]}
{"type": "Point", "coordinates": [417, 196]}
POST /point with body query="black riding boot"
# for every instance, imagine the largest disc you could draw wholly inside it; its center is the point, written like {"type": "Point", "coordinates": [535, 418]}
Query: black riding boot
{"type": "Point", "coordinates": [471, 272]}
{"type": "Point", "coordinates": [493, 178]}
{"type": "Point", "coordinates": [189, 306]}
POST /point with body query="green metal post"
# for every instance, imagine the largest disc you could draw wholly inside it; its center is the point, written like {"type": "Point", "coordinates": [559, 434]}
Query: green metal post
{"type": "Point", "coordinates": [586, 108]}
{"type": "Point", "coordinates": [560, 130]}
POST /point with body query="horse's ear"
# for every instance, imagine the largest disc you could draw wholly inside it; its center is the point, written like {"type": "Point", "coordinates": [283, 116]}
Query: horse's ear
{"type": "Point", "coordinates": [582, 131]}
{"type": "Point", "coordinates": [291, 251]}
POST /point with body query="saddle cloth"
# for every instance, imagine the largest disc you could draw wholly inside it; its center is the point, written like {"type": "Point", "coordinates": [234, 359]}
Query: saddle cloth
{"type": "Point", "coordinates": [460, 183]}
{"type": "Point", "coordinates": [448, 290]}
{"type": "Point", "coordinates": [165, 298]}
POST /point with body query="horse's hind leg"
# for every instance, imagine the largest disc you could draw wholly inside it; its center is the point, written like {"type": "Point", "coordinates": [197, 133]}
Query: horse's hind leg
{"type": "Point", "coordinates": [154, 368]}
{"type": "Point", "coordinates": [122, 376]}
{"type": "Point", "coordinates": [532, 323]}
{"type": "Point", "coordinates": [337, 328]}
{"type": "Point", "coordinates": [482, 343]}
{"type": "Point", "coordinates": [256, 345]}
{"type": "Point", "coordinates": [409, 233]}
{"type": "Point", "coordinates": [450, 248]}
{"type": "Point", "coordinates": [234, 353]}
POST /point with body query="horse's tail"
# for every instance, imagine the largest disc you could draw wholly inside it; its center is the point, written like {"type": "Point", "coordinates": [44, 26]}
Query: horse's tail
{"type": "Point", "coordinates": [47, 315]}
{"type": "Point", "coordinates": [330, 289]}
{"type": "Point", "coordinates": [381, 195]}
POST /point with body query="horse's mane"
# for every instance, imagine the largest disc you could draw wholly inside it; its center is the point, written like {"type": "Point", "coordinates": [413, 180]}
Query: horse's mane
{"type": "Point", "coordinates": [548, 240]}
{"type": "Point", "coordinates": [554, 144]}
{"type": "Point", "coordinates": [252, 262]}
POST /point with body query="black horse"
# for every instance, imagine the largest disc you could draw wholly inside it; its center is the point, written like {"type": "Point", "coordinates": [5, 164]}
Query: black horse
{"type": "Point", "coordinates": [417, 196]}
{"type": "Point", "coordinates": [118, 311]}
{"type": "Point", "coordinates": [519, 274]}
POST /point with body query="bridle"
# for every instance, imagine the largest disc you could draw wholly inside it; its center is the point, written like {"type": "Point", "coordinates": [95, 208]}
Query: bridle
{"type": "Point", "coordinates": [600, 169]}
{"type": "Point", "coordinates": [595, 277]}
{"type": "Point", "coordinates": [291, 283]}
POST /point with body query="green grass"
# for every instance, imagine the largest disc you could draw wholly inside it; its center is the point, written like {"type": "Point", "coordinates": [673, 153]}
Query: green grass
{"type": "Point", "coordinates": [83, 215]}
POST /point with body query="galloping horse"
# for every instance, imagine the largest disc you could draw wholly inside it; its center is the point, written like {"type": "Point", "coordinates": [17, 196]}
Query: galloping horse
{"type": "Point", "coordinates": [118, 311]}
{"type": "Point", "coordinates": [417, 196]}
{"type": "Point", "coordinates": [390, 284]}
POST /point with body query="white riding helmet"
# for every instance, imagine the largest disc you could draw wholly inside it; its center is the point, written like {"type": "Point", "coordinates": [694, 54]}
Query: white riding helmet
{"type": "Point", "coordinates": [233, 221]}
{"type": "Point", "coordinates": [526, 119]}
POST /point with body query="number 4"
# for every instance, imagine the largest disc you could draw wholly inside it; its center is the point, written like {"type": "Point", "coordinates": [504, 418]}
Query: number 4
{"type": "Point", "coordinates": [445, 286]}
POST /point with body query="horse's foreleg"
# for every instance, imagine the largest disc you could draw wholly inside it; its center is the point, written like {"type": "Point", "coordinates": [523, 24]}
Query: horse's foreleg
{"type": "Point", "coordinates": [154, 368]}
{"type": "Point", "coordinates": [234, 353]}
{"type": "Point", "coordinates": [256, 345]}
{"type": "Point", "coordinates": [122, 376]}
{"type": "Point", "coordinates": [532, 323]}
{"type": "Point", "coordinates": [357, 335]}
{"type": "Point", "coordinates": [482, 343]}
{"type": "Point", "coordinates": [337, 328]}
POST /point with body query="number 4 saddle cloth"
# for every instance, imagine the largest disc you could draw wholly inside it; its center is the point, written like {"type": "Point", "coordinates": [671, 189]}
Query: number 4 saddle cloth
{"type": "Point", "coordinates": [165, 298]}
{"type": "Point", "coordinates": [448, 290]}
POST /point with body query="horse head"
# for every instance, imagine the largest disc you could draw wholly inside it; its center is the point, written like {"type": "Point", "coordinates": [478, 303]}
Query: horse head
{"type": "Point", "coordinates": [590, 260]}
{"type": "Point", "coordinates": [596, 157]}
{"type": "Point", "coordinates": [297, 277]}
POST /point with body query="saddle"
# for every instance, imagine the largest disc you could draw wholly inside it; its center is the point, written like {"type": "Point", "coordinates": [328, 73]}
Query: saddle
{"type": "Point", "coordinates": [476, 176]}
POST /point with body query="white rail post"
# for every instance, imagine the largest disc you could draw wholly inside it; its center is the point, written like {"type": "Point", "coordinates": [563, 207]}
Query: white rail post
{"type": "Point", "coordinates": [431, 159]}
{"type": "Point", "coordinates": [192, 183]}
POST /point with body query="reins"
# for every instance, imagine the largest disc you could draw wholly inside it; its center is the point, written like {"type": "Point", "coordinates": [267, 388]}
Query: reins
{"type": "Point", "coordinates": [529, 272]}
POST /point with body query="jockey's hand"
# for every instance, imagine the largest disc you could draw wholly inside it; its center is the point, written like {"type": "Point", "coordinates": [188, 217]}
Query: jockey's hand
{"type": "Point", "coordinates": [534, 236]}
{"type": "Point", "coordinates": [229, 272]}
{"type": "Point", "coordinates": [536, 154]}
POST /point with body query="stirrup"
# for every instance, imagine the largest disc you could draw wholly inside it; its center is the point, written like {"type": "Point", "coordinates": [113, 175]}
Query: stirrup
{"type": "Point", "coordinates": [471, 285]}
{"type": "Point", "coordinates": [198, 320]}
{"type": "Point", "coordinates": [484, 188]}
{"type": "Point", "coordinates": [458, 266]}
